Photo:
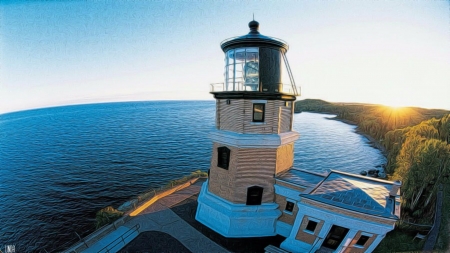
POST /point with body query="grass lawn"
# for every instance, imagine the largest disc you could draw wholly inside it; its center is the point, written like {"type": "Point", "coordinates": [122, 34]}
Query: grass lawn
{"type": "Point", "coordinates": [402, 241]}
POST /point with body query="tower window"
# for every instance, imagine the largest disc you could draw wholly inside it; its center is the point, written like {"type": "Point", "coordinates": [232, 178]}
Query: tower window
{"type": "Point", "coordinates": [289, 206]}
{"type": "Point", "coordinates": [362, 240]}
{"type": "Point", "coordinates": [254, 195]}
{"type": "Point", "coordinates": [223, 158]}
{"type": "Point", "coordinates": [258, 112]}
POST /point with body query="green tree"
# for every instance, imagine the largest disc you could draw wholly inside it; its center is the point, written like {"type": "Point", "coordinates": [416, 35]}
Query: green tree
{"type": "Point", "coordinates": [443, 128]}
{"type": "Point", "coordinates": [423, 163]}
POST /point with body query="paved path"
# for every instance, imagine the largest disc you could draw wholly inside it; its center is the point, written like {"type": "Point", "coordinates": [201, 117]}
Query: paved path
{"type": "Point", "coordinates": [154, 241]}
{"type": "Point", "coordinates": [159, 217]}
{"type": "Point", "coordinates": [433, 235]}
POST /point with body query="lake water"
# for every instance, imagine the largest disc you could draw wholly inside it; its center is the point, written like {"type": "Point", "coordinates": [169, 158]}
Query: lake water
{"type": "Point", "coordinates": [58, 166]}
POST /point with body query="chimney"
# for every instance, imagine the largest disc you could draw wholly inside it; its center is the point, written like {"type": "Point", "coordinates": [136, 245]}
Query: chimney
{"type": "Point", "coordinates": [395, 191]}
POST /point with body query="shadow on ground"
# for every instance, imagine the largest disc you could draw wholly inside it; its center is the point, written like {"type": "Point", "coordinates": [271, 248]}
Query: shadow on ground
{"type": "Point", "coordinates": [154, 241]}
{"type": "Point", "coordinates": [186, 210]}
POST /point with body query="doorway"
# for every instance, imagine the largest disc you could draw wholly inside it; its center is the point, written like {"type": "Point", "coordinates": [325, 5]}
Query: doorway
{"type": "Point", "coordinates": [254, 195]}
{"type": "Point", "coordinates": [335, 237]}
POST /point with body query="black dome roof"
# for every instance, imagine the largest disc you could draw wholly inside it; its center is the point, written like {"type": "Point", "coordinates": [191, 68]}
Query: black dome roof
{"type": "Point", "coordinates": [253, 39]}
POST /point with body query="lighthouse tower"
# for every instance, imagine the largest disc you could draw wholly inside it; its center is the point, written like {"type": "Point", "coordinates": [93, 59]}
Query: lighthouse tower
{"type": "Point", "coordinates": [253, 140]}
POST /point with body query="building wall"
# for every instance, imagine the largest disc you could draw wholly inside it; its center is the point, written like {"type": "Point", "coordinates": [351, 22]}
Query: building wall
{"type": "Point", "coordinates": [352, 248]}
{"type": "Point", "coordinates": [248, 167]}
{"type": "Point", "coordinates": [271, 117]}
{"type": "Point", "coordinates": [327, 216]}
{"type": "Point", "coordinates": [256, 167]}
{"type": "Point", "coordinates": [286, 217]}
{"type": "Point", "coordinates": [305, 236]}
{"type": "Point", "coordinates": [230, 117]}
{"type": "Point", "coordinates": [217, 119]}
{"type": "Point", "coordinates": [238, 116]}
{"type": "Point", "coordinates": [286, 117]}
{"type": "Point", "coordinates": [233, 220]}
{"type": "Point", "coordinates": [285, 158]}
{"type": "Point", "coordinates": [222, 181]}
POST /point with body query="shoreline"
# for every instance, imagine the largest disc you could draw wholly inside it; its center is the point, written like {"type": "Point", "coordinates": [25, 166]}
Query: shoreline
{"type": "Point", "coordinates": [372, 141]}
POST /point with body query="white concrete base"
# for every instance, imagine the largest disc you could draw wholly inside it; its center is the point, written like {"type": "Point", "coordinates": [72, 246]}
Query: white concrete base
{"type": "Point", "coordinates": [283, 228]}
{"type": "Point", "coordinates": [236, 220]}
{"type": "Point", "coordinates": [295, 246]}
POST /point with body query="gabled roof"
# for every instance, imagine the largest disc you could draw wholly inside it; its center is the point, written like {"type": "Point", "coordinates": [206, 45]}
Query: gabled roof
{"type": "Point", "coordinates": [357, 193]}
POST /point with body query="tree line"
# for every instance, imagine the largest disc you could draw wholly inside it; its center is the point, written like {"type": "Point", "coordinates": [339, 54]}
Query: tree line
{"type": "Point", "coordinates": [417, 142]}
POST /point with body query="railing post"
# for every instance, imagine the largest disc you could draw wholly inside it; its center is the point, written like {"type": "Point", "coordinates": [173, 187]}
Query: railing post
{"type": "Point", "coordinates": [81, 239]}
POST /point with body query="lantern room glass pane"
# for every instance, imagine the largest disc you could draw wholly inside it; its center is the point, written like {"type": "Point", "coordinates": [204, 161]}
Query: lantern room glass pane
{"type": "Point", "coordinates": [230, 80]}
{"type": "Point", "coordinates": [242, 69]}
{"type": "Point", "coordinates": [251, 69]}
{"type": "Point", "coordinates": [230, 58]}
{"type": "Point", "coordinates": [239, 67]}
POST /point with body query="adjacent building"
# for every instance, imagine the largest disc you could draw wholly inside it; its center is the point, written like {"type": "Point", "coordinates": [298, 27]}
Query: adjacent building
{"type": "Point", "coordinates": [253, 190]}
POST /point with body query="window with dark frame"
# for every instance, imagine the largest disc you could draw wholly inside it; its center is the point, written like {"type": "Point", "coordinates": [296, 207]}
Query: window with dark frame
{"type": "Point", "coordinates": [362, 240]}
{"type": "Point", "coordinates": [254, 195]}
{"type": "Point", "coordinates": [289, 206]}
{"type": "Point", "coordinates": [223, 157]}
{"type": "Point", "coordinates": [311, 226]}
{"type": "Point", "coordinates": [258, 112]}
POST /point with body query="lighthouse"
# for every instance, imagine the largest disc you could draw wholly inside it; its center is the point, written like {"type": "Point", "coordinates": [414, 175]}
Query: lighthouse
{"type": "Point", "coordinates": [253, 140]}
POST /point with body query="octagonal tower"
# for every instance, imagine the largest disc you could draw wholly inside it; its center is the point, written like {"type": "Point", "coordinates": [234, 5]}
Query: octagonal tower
{"type": "Point", "coordinates": [253, 140]}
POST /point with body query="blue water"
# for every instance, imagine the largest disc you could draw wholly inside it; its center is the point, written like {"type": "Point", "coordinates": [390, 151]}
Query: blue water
{"type": "Point", "coordinates": [58, 166]}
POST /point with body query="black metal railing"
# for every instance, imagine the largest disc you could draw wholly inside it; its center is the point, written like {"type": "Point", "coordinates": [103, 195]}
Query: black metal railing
{"type": "Point", "coordinates": [120, 239]}
{"type": "Point", "coordinates": [240, 86]}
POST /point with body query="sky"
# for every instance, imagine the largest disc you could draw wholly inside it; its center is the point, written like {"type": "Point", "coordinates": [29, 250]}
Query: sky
{"type": "Point", "coordinates": [73, 52]}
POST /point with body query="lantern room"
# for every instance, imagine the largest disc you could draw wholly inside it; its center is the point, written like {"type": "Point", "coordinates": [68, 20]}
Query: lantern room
{"type": "Point", "coordinates": [255, 64]}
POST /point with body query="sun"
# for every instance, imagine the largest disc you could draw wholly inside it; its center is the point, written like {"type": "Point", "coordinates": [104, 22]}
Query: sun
{"type": "Point", "coordinates": [396, 108]}
{"type": "Point", "coordinates": [396, 103]}
{"type": "Point", "coordinates": [396, 116]}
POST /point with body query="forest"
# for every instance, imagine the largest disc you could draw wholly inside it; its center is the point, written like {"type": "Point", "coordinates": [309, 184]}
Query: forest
{"type": "Point", "coordinates": [417, 145]}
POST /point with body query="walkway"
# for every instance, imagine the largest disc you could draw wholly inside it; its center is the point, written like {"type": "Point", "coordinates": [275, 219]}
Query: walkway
{"type": "Point", "coordinates": [158, 222]}
{"type": "Point", "coordinates": [168, 225]}
{"type": "Point", "coordinates": [159, 217]}
{"type": "Point", "coordinates": [433, 235]}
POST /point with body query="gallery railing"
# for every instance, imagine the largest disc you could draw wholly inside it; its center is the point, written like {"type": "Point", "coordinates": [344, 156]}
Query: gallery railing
{"type": "Point", "coordinates": [240, 86]}
{"type": "Point", "coordinates": [120, 239]}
